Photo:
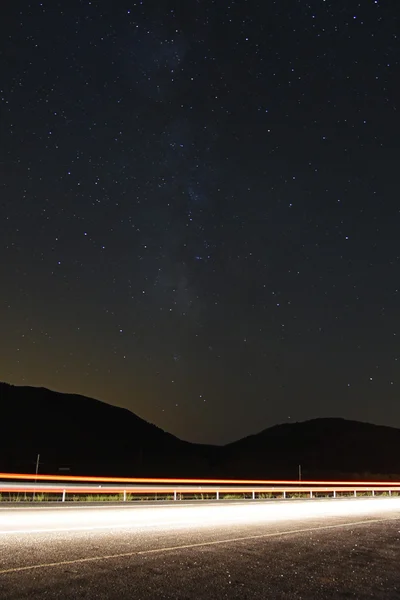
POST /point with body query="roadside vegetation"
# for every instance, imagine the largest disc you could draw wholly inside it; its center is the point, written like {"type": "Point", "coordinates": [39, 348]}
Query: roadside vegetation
{"type": "Point", "coordinates": [290, 495]}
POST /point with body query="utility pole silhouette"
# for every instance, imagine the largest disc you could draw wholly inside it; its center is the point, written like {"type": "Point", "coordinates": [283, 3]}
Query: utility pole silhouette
{"type": "Point", "coordinates": [36, 471]}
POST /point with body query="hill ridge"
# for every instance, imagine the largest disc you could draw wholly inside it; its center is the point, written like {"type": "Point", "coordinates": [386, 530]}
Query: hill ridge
{"type": "Point", "coordinates": [90, 436]}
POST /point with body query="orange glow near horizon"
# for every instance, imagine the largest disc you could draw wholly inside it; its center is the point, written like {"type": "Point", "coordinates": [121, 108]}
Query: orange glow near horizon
{"type": "Point", "coordinates": [66, 478]}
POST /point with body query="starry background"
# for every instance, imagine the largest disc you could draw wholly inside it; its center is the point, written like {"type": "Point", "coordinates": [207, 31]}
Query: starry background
{"type": "Point", "coordinates": [199, 210]}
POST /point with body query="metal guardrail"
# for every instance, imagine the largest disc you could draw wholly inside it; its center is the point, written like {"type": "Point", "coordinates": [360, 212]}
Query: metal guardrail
{"type": "Point", "coordinates": [61, 486]}
{"type": "Point", "coordinates": [179, 492]}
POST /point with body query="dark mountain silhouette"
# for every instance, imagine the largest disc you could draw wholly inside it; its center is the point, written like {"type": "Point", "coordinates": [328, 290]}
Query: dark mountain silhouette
{"type": "Point", "coordinates": [87, 436]}
{"type": "Point", "coordinates": [91, 437]}
{"type": "Point", "coordinates": [332, 448]}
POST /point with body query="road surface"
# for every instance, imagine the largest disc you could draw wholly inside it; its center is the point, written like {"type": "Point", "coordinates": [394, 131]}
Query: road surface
{"type": "Point", "coordinates": [296, 549]}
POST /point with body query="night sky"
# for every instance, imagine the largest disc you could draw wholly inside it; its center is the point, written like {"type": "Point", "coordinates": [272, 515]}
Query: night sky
{"type": "Point", "coordinates": [200, 208]}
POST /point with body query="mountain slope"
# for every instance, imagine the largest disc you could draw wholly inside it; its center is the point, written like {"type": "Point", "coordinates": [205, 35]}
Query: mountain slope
{"type": "Point", "coordinates": [85, 435]}
{"type": "Point", "coordinates": [92, 437]}
{"type": "Point", "coordinates": [323, 447]}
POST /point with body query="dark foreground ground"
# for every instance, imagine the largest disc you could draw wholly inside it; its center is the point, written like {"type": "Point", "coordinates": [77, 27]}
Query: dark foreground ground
{"type": "Point", "coordinates": [185, 552]}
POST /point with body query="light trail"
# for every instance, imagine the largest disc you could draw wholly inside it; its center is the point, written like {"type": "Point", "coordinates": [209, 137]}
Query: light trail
{"type": "Point", "coordinates": [47, 520]}
{"type": "Point", "coordinates": [91, 478]}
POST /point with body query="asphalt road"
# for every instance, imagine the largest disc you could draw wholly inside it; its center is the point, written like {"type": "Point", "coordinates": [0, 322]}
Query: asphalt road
{"type": "Point", "coordinates": [296, 549]}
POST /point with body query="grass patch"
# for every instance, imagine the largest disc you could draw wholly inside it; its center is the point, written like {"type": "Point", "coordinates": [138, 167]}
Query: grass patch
{"type": "Point", "coordinates": [43, 497]}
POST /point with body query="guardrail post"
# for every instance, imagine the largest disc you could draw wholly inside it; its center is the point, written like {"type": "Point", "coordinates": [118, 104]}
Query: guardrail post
{"type": "Point", "coordinates": [355, 493]}
{"type": "Point", "coordinates": [217, 495]}
{"type": "Point", "coordinates": [334, 493]}
{"type": "Point", "coordinates": [124, 495]}
{"type": "Point", "coordinates": [390, 492]}
{"type": "Point", "coordinates": [373, 492]}
{"type": "Point", "coordinates": [311, 494]}
{"type": "Point", "coordinates": [63, 496]}
{"type": "Point", "coordinates": [284, 495]}
{"type": "Point", "coordinates": [253, 495]}
{"type": "Point", "coordinates": [174, 494]}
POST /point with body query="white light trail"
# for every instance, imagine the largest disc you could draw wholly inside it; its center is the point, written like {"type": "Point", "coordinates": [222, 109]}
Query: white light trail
{"type": "Point", "coordinates": [188, 516]}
